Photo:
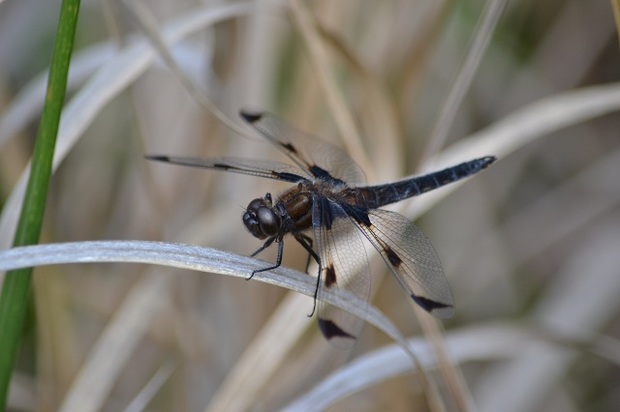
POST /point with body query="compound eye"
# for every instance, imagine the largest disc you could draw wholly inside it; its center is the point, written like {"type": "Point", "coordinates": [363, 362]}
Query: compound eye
{"type": "Point", "coordinates": [255, 204]}
{"type": "Point", "coordinates": [268, 221]}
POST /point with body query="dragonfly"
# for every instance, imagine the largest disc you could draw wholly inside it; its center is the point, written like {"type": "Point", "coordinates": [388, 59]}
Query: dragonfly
{"type": "Point", "coordinates": [330, 199]}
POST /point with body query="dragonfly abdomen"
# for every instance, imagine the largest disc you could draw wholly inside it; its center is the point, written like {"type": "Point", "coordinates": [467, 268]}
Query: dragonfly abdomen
{"type": "Point", "coordinates": [382, 195]}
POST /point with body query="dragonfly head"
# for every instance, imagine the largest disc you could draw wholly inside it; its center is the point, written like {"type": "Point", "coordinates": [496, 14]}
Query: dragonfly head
{"type": "Point", "coordinates": [260, 218]}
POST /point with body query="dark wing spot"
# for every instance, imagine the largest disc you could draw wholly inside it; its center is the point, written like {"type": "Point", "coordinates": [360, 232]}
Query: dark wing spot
{"type": "Point", "coordinates": [289, 177]}
{"type": "Point", "coordinates": [330, 276]}
{"type": "Point", "coordinates": [289, 147]}
{"type": "Point", "coordinates": [320, 173]}
{"type": "Point", "coordinates": [161, 158]}
{"type": "Point", "coordinates": [223, 166]}
{"type": "Point", "coordinates": [250, 117]}
{"type": "Point", "coordinates": [428, 304]}
{"type": "Point", "coordinates": [326, 216]}
{"type": "Point", "coordinates": [360, 214]}
{"type": "Point", "coordinates": [331, 330]}
{"type": "Point", "coordinates": [395, 260]}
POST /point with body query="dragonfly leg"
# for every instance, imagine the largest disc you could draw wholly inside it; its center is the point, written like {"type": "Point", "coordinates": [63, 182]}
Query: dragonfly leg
{"type": "Point", "coordinates": [278, 258]}
{"type": "Point", "coordinates": [265, 246]}
{"type": "Point", "coordinates": [316, 292]}
{"type": "Point", "coordinates": [306, 242]}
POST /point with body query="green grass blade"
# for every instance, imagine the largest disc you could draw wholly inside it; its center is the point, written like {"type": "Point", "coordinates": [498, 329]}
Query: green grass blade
{"type": "Point", "coordinates": [14, 297]}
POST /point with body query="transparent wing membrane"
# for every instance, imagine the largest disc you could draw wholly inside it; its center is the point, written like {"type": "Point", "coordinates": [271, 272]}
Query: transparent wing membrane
{"type": "Point", "coordinates": [344, 266]}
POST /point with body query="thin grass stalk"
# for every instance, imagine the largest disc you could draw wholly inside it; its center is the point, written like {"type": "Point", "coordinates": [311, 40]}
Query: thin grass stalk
{"type": "Point", "coordinates": [482, 37]}
{"type": "Point", "coordinates": [14, 297]}
{"type": "Point", "coordinates": [335, 100]}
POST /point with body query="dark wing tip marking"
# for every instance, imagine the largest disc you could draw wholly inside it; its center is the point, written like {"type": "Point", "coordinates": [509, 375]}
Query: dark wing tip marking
{"type": "Point", "coordinates": [438, 309]}
{"type": "Point", "coordinates": [330, 276]}
{"type": "Point", "coordinates": [159, 158]}
{"type": "Point", "coordinates": [250, 117]}
{"type": "Point", "coordinates": [331, 330]}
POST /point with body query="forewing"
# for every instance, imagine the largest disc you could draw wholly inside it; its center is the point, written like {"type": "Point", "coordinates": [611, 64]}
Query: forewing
{"type": "Point", "coordinates": [344, 266]}
{"type": "Point", "coordinates": [318, 158]}
{"type": "Point", "coordinates": [269, 170]}
{"type": "Point", "coordinates": [412, 259]}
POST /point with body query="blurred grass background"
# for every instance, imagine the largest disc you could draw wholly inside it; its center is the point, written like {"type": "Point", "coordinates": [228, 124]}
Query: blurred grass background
{"type": "Point", "coordinates": [532, 242]}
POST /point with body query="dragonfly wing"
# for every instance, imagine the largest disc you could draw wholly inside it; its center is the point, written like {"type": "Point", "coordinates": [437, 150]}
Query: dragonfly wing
{"type": "Point", "coordinates": [260, 168]}
{"type": "Point", "coordinates": [344, 266]}
{"type": "Point", "coordinates": [412, 260]}
{"type": "Point", "coordinates": [318, 158]}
